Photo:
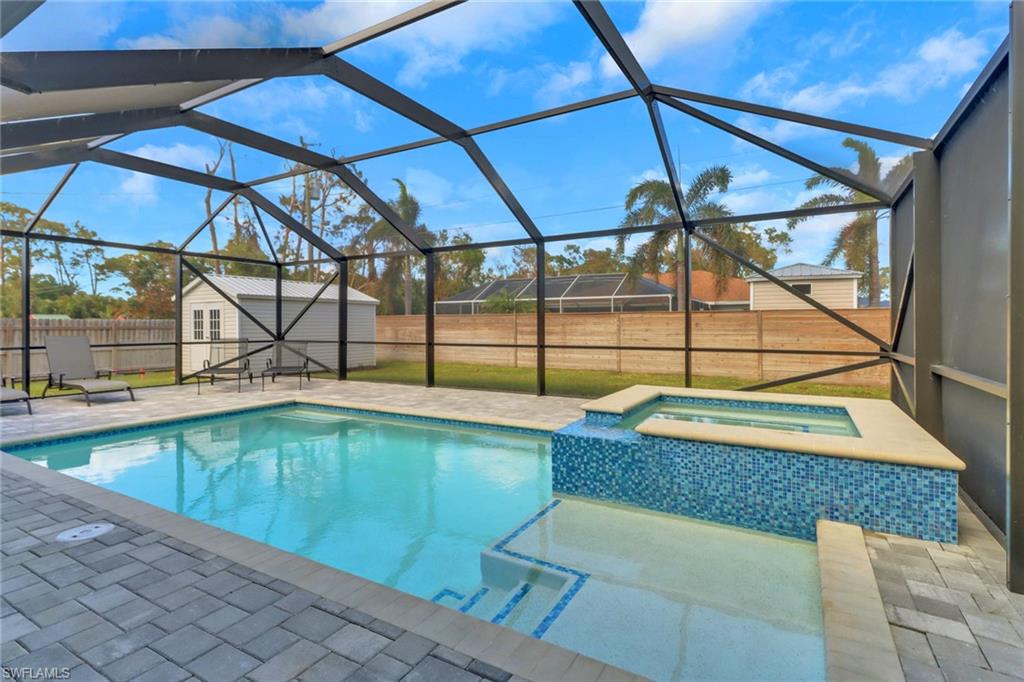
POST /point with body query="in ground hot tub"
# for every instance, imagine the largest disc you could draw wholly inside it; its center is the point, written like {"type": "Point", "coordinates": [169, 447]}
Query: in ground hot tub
{"type": "Point", "coordinates": [767, 462]}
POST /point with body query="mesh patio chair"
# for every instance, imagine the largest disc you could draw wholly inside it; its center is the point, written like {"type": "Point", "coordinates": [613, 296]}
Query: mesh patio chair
{"type": "Point", "coordinates": [225, 361]}
{"type": "Point", "coordinates": [13, 395]}
{"type": "Point", "coordinates": [71, 362]}
{"type": "Point", "coordinates": [288, 359]}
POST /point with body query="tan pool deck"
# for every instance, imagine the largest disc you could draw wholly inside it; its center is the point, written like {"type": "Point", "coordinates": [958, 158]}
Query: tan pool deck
{"type": "Point", "coordinates": [117, 610]}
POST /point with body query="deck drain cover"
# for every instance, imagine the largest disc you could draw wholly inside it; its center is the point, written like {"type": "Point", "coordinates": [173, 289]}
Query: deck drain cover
{"type": "Point", "coordinates": [84, 532]}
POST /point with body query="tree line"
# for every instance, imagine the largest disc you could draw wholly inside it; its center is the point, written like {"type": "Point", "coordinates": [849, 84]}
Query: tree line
{"type": "Point", "coordinates": [82, 281]}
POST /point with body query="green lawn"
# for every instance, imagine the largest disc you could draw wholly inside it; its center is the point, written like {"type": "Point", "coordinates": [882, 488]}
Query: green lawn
{"type": "Point", "coordinates": [572, 382]}
{"type": "Point", "coordinates": [164, 378]}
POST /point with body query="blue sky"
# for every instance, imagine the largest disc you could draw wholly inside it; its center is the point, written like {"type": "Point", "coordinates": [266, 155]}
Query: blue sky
{"type": "Point", "coordinates": [897, 65]}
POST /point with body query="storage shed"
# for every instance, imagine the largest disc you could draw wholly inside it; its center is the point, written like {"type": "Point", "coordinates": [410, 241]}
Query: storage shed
{"type": "Point", "coordinates": [206, 316]}
{"type": "Point", "coordinates": [832, 287]}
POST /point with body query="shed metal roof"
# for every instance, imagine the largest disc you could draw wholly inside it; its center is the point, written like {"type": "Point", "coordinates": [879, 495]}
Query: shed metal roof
{"type": "Point", "coordinates": [265, 287]}
{"type": "Point", "coordinates": [808, 271]}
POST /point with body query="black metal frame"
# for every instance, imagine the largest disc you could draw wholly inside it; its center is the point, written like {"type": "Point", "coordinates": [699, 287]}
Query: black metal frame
{"type": "Point", "coordinates": [74, 139]}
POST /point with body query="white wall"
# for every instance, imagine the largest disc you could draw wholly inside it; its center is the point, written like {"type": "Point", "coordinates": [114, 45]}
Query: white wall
{"type": "Point", "coordinates": [834, 293]}
{"type": "Point", "coordinates": [319, 323]}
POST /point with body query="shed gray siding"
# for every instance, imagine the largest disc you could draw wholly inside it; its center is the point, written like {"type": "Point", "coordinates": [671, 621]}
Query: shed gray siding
{"type": "Point", "coordinates": [320, 323]}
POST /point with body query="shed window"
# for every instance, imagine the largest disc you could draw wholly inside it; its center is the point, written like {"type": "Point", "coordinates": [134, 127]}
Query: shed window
{"type": "Point", "coordinates": [214, 324]}
{"type": "Point", "coordinates": [197, 324]}
{"type": "Point", "coordinates": [803, 288]}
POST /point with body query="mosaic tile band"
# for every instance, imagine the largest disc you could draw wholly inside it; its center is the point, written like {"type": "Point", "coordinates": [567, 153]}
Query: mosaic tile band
{"type": "Point", "coordinates": [769, 490]}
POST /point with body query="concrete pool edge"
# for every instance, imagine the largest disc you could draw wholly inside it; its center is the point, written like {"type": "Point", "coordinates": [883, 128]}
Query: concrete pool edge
{"type": "Point", "coordinates": [496, 645]}
{"type": "Point", "coordinates": [208, 412]}
{"type": "Point", "coordinates": [887, 434]}
{"type": "Point", "coordinates": [858, 640]}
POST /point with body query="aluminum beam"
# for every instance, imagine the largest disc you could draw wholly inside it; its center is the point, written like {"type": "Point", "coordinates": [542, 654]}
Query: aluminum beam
{"type": "Point", "coordinates": [50, 198]}
{"type": "Point", "coordinates": [427, 9]}
{"type": "Point", "coordinates": [836, 174]}
{"type": "Point", "coordinates": [23, 134]}
{"type": "Point", "coordinates": [271, 145]}
{"type": "Point", "coordinates": [853, 326]}
{"type": "Point", "coordinates": [927, 292]}
{"type": "Point", "coordinates": [797, 117]}
{"type": "Point", "coordinates": [351, 77]}
{"type": "Point", "coordinates": [209, 219]}
{"type": "Point", "coordinates": [163, 170]}
{"type": "Point", "coordinates": [817, 375]}
{"type": "Point", "coordinates": [286, 219]}
{"type": "Point", "coordinates": [79, 70]}
{"type": "Point", "coordinates": [595, 15]}
{"type": "Point", "coordinates": [13, 12]}
{"type": "Point", "coordinates": [1015, 359]}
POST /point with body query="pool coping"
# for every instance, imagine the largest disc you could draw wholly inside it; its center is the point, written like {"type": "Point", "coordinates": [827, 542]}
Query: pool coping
{"type": "Point", "coordinates": [858, 640]}
{"type": "Point", "coordinates": [887, 434]}
{"type": "Point", "coordinates": [186, 415]}
{"type": "Point", "coordinates": [502, 647]}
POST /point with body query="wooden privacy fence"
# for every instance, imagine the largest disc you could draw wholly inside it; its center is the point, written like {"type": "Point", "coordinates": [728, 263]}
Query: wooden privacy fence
{"type": "Point", "coordinates": [100, 332]}
{"type": "Point", "coordinates": [768, 330]}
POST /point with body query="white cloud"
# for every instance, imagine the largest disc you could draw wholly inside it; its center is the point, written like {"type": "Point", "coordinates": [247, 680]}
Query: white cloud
{"type": "Point", "coordinates": [649, 174]}
{"type": "Point", "coordinates": [434, 45]}
{"type": "Point", "coordinates": [205, 31]}
{"type": "Point", "coordinates": [140, 188]}
{"type": "Point", "coordinates": [565, 83]}
{"type": "Point", "coordinates": [937, 61]}
{"type": "Point", "coordinates": [750, 176]}
{"type": "Point", "coordinates": [668, 28]}
{"type": "Point", "coordinates": [430, 188]}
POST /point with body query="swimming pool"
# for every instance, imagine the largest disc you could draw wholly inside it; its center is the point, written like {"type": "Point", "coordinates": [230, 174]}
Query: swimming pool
{"type": "Point", "coordinates": [408, 504]}
{"type": "Point", "coordinates": [463, 515]}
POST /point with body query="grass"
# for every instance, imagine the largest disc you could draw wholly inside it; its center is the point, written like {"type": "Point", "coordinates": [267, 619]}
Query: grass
{"type": "Point", "coordinates": [571, 382]}
{"type": "Point", "coordinates": [165, 378]}
{"type": "Point", "coordinates": [575, 382]}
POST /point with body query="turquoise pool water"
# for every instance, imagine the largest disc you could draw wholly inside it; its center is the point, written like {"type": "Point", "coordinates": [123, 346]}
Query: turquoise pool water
{"type": "Point", "coordinates": [407, 504]}
{"type": "Point", "coordinates": [464, 516]}
{"type": "Point", "coordinates": [830, 422]}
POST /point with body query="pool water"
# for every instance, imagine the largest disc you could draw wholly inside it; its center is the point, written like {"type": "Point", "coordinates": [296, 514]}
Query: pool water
{"type": "Point", "coordinates": [404, 503]}
{"type": "Point", "coordinates": [831, 422]}
{"type": "Point", "coordinates": [464, 516]}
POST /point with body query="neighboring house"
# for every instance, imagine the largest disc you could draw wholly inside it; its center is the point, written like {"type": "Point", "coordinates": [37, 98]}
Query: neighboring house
{"type": "Point", "coordinates": [832, 287]}
{"type": "Point", "coordinates": [598, 293]}
{"type": "Point", "coordinates": [206, 316]}
{"type": "Point", "coordinates": [706, 294]}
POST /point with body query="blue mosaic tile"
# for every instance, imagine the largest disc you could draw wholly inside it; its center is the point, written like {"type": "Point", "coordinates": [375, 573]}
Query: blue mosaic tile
{"type": "Point", "coordinates": [608, 419]}
{"type": "Point", "coordinates": [768, 490]}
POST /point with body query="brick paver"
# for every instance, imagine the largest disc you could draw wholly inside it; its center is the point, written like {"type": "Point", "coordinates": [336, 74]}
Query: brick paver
{"type": "Point", "coordinates": [164, 616]}
{"type": "Point", "coordinates": [951, 615]}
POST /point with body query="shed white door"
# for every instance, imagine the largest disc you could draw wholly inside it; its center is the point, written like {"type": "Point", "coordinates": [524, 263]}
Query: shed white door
{"type": "Point", "coordinates": [207, 321]}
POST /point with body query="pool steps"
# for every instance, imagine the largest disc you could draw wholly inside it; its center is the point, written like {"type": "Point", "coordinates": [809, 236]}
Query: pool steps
{"type": "Point", "coordinates": [514, 592]}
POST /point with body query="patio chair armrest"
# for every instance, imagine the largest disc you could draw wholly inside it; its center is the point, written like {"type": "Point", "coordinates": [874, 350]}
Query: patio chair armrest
{"type": "Point", "coordinates": [269, 363]}
{"type": "Point", "coordinates": [206, 364]}
{"type": "Point", "coordinates": [60, 380]}
{"type": "Point", "coordinates": [108, 372]}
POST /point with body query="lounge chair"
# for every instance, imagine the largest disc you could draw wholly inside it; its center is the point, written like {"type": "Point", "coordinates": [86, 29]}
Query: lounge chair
{"type": "Point", "coordinates": [71, 362]}
{"type": "Point", "coordinates": [289, 359]}
{"type": "Point", "coordinates": [220, 352]}
{"type": "Point", "coordinates": [13, 395]}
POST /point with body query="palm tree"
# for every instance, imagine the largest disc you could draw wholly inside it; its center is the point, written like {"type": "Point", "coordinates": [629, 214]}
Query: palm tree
{"type": "Point", "coordinates": [857, 240]}
{"type": "Point", "coordinates": [651, 202]}
{"type": "Point", "coordinates": [408, 209]}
